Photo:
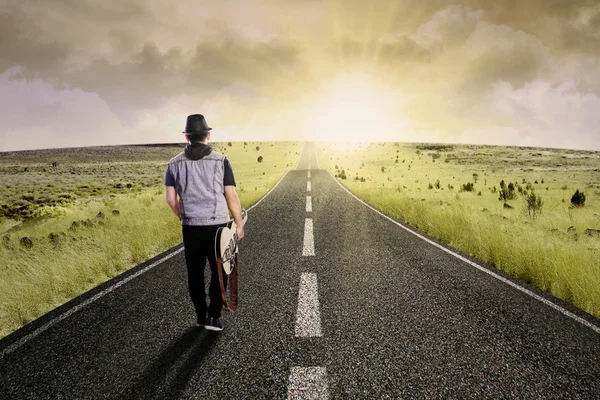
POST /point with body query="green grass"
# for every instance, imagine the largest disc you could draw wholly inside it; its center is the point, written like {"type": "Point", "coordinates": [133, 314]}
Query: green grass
{"type": "Point", "coordinates": [35, 280]}
{"type": "Point", "coordinates": [542, 250]}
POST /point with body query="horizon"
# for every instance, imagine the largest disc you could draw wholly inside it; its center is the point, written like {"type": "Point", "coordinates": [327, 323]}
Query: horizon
{"type": "Point", "coordinates": [315, 141]}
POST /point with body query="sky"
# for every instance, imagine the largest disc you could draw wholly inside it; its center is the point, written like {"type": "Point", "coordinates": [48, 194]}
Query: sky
{"type": "Point", "coordinates": [504, 72]}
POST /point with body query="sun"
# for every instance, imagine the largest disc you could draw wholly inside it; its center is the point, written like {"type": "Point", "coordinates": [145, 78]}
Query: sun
{"type": "Point", "coordinates": [353, 108]}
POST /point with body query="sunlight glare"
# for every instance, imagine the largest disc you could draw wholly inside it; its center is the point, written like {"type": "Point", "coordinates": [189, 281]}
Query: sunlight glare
{"type": "Point", "coordinates": [353, 108]}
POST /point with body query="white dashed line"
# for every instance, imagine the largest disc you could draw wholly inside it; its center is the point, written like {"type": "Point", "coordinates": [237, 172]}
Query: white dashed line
{"type": "Point", "coordinates": [308, 186]}
{"type": "Point", "coordinates": [307, 383]}
{"type": "Point", "coordinates": [308, 174]}
{"type": "Point", "coordinates": [308, 204]}
{"type": "Point", "coordinates": [308, 316]}
{"type": "Point", "coordinates": [308, 249]}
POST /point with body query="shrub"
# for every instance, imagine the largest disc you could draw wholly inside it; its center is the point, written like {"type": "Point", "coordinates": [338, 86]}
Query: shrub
{"type": "Point", "coordinates": [259, 159]}
{"type": "Point", "coordinates": [28, 197]}
{"type": "Point", "coordinates": [533, 204]}
{"type": "Point", "coordinates": [475, 177]}
{"type": "Point", "coordinates": [382, 169]}
{"type": "Point", "coordinates": [578, 199]}
{"type": "Point", "coordinates": [437, 184]}
{"type": "Point", "coordinates": [257, 148]}
{"type": "Point", "coordinates": [507, 192]}
{"type": "Point", "coordinates": [26, 242]}
{"type": "Point", "coordinates": [468, 187]}
{"type": "Point", "coordinates": [430, 186]}
{"type": "Point", "coordinates": [229, 144]}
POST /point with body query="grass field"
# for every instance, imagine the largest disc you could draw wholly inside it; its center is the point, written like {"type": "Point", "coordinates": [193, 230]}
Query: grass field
{"type": "Point", "coordinates": [98, 212]}
{"type": "Point", "coordinates": [452, 193]}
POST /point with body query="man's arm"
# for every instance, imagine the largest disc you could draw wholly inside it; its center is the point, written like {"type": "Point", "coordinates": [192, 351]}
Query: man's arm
{"type": "Point", "coordinates": [234, 205]}
{"type": "Point", "coordinates": [172, 200]}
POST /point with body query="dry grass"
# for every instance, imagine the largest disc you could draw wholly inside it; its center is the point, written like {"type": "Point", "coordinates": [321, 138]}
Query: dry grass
{"type": "Point", "coordinates": [542, 251]}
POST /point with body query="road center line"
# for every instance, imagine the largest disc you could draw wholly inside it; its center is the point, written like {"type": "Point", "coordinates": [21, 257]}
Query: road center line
{"type": "Point", "coordinates": [308, 383]}
{"type": "Point", "coordinates": [308, 186]}
{"type": "Point", "coordinates": [308, 248]}
{"type": "Point", "coordinates": [308, 174]}
{"type": "Point", "coordinates": [308, 204]}
{"type": "Point", "coordinates": [308, 316]}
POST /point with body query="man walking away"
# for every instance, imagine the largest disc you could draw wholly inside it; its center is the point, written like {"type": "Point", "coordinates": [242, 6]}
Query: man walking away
{"type": "Point", "coordinates": [203, 180]}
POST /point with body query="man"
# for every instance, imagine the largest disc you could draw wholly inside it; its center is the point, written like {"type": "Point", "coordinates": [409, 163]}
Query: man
{"type": "Point", "coordinates": [203, 180]}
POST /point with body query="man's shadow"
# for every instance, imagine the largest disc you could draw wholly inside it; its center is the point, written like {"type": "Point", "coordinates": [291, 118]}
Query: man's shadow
{"type": "Point", "coordinates": [169, 375]}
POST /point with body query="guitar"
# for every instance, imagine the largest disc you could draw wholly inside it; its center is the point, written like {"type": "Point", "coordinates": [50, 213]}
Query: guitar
{"type": "Point", "coordinates": [226, 251]}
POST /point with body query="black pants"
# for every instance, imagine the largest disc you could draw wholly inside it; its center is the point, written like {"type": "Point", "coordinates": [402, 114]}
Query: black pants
{"type": "Point", "coordinates": [199, 245]}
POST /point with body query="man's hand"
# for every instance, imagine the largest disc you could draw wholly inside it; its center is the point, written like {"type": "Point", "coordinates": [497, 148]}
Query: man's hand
{"type": "Point", "coordinates": [240, 232]}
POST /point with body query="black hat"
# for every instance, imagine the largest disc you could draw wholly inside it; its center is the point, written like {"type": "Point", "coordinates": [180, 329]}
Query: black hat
{"type": "Point", "coordinates": [196, 124]}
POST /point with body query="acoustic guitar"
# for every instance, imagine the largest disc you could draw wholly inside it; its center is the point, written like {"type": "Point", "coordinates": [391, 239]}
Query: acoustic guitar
{"type": "Point", "coordinates": [226, 252]}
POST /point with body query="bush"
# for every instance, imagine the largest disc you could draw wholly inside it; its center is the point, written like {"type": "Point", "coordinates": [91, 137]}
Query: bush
{"type": "Point", "coordinates": [437, 184]}
{"type": "Point", "coordinates": [28, 197]}
{"type": "Point", "coordinates": [533, 204]}
{"type": "Point", "coordinates": [578, 199]}
{"type": "Point", "coordinates": [257, 148]}
{"type": "Point", "coordinates": [468, 187]}
{"type": "Point", "coordinates": [507, 192]}
{"type": "Point", "coordinates": [229, 144]}
{"type": "Point", "coordinates": [259, 159]}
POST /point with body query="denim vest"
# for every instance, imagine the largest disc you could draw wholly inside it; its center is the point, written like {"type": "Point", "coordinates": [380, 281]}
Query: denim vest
{"type": "Point", "coordinates": [199, 184]}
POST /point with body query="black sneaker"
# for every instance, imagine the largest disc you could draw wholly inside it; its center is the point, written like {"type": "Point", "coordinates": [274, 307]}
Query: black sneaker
{"type": "Point", "coordinates": [201, 321]}
{"type": "Point", "coordinates": [214, 324]}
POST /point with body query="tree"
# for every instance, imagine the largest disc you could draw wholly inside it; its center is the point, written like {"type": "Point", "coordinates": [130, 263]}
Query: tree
{"type": "Point", "coordinates": [259, 159]}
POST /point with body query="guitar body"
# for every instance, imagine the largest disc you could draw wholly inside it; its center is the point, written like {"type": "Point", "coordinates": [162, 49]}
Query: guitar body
{"type": "Point", "coordinates": [226, 244]}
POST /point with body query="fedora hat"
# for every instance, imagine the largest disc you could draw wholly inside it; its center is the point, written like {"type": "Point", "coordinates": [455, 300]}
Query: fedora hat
{"type": "Point", "coordinates": [196, 124]}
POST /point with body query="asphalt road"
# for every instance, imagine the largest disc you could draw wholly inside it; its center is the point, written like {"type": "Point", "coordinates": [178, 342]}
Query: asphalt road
{"type": "Point", "coordinates": [399, 318]}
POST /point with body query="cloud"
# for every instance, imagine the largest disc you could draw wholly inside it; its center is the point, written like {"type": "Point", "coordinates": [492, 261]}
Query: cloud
{"type": "Point", "coordinates": [493, 52]}
{"type": "Point", "coordinates": [448, 27]}
{"type": "Point", "coordinates": [37, 114]}
{"type": "Point", "coordinates": [19, 49]}
{"type": "Point", "coordinates": [555, 116]}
